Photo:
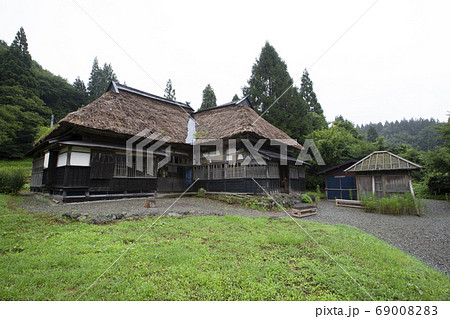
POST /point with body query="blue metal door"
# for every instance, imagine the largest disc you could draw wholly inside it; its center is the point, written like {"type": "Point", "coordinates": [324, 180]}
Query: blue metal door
{"type": "Point", "coordinates": [341, 187]}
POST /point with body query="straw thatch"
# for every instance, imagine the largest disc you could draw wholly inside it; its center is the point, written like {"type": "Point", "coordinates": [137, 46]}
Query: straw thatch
{"type": "Point", "coordinates": [234, 120]}
{"type": "Point", "coordinates": [382, 161]}
{"type": "Point", "coordinates": [127, 111]}
{"type": "Point", "coordinates": [129, 114]}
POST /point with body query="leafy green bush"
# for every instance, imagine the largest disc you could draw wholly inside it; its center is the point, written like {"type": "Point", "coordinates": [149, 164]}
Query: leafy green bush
{"type": "Point", "coordinates": [421, 191]}
{"type": "Point", "coordinates": [404, 204]}
{"type": "Point", "coordinates": [201, 192]}
{"type": "Point", "coordinates": [306, 199]}
{"type": "Point", "coordinates": [439, 183]}
{"type": "Point", "coordinates": [12, 179]}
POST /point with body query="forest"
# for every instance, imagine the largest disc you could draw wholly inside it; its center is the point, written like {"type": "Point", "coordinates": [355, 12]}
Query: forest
{"type": "Point", "coordinates": [30, 96]}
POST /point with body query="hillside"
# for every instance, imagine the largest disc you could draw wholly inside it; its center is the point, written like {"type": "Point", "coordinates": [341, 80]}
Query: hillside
{"type": "Point", "coordinates": [418, 133]}
{"type": "Point", "coordinates": [29, 96]}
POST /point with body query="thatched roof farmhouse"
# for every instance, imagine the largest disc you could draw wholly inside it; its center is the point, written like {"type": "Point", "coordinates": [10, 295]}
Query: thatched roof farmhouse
{"type": "Point", "coordinates": [86, 156]}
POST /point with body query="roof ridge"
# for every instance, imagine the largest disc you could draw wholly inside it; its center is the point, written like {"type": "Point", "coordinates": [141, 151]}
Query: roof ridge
{"type": "Point", "coordinates": [376, 168]}
{"type": "Point", "coordinates": [232, 103]}
{"type": "Point", "coordinates": [116, 87]}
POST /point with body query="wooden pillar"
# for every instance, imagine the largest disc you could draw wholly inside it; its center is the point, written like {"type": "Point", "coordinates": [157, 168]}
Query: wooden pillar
{"type": "Point", "coordinates": [411, 186]}
{"type": "Point", "coordinates": [373, 184]}
{"type": "Point", "coordinates": [66, 181]}
{"type": "Point", "coordinates": [225, 165]}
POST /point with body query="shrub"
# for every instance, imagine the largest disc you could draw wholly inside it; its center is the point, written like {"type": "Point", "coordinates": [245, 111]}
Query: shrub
{"type": "Point", "coordinates": [439, 184]}
{"type": "Point", "coordinates": [201, 192]}
{"type": "Point", "coordinates": [404, 204]}
{"type": "Point", "coordinates": [421, 191]}
{"type": "Point", "coordinates": [12, 179]}
{"type": "Point", "coordinates": [306, 199]}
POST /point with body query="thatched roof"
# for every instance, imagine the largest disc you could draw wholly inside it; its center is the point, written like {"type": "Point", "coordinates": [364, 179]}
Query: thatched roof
{"type": "Point", "coordinates": [233, 120]}
{"type": "Point", "coordinates": [382, 161]}
{"type": "Point", "coordinates": [126, 111]}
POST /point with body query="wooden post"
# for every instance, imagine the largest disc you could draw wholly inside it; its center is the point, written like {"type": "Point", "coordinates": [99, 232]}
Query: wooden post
{"type": "Point", "coordinates": [67, 168]}
{"type": "Point", "coordinates": [373, 184]}
{"type": "Point", "coordinates": [149, 203]}
{"type": "Point", "coordinates": [411, 186]}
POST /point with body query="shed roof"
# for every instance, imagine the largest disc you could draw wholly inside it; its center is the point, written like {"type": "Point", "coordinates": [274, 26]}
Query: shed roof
{"type": "Point", "coordinates": [382, 161]}
{"type": "Point", "coordinates": [350, 162]}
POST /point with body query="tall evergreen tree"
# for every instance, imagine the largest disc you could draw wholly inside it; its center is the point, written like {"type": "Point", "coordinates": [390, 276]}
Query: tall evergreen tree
{"type": "Point", "coordinates": [21, 109]}
{"type": "Point", "coordinates": [94, 86]}
{"type": "Point", "coordinates": [100, 79]}
{"type": "Point", "coordinates": [81, 89]}
{"type": "Point", "coordinates": [169, 92]}
{"type": "Point", "coordinates": [20, 47]}
{"type": "Point", "coordinates": [235, 98]}
{"type": "Point", "coordinates": [315, 114]}
{"type": "Point", "coordinates": [108, 75]}
{"type": "Point", "coordinates": [270, 89]}
{"type": "Point", "coordinates": [308, 95]}
{"type": "Point", "coordinates": [16, 64]}
{"type": "Point", "coordinates": [372, 134]}
{"type": "Point", "coordinates": [79, 85]}
{"type": "Point", "coordinates": [209, 98]}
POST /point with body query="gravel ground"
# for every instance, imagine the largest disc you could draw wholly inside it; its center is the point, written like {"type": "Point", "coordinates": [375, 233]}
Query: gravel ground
{"type": "Point", "coordinates": [132, 207]}
{"type": "Point", "coordinates": [425, 237]}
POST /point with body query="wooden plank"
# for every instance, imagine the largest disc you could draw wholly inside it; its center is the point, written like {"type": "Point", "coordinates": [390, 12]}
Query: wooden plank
{"type": "Point", "coordinates": [348, 201]}
{"type": "Point", "coordinates": [304, 215]}
{"type": "Point", "coordinates": [303, 211]}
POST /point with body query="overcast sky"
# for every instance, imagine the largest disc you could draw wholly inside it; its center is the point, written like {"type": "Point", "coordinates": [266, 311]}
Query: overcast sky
{"type": "Point", "coordinates": [392, 64]}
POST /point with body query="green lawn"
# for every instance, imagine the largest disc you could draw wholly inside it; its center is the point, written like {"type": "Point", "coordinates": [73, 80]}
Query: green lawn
{"type": "Point", "coordinates": [26, 163]}
{"type": "Point", "coordinates": [202, 258]}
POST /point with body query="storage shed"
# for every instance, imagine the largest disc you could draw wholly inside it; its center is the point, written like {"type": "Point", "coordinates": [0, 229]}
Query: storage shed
{"type": "Point", "coordinates": [383, 173]}
{"type": "Point", "coordinates": [338, 183]}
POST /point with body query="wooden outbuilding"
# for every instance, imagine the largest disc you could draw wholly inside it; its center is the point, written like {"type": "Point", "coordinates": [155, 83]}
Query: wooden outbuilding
{"type": "Point", "coordinates": [338, 183]}
{"type": "Point", "coordinates": [384, 174]}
